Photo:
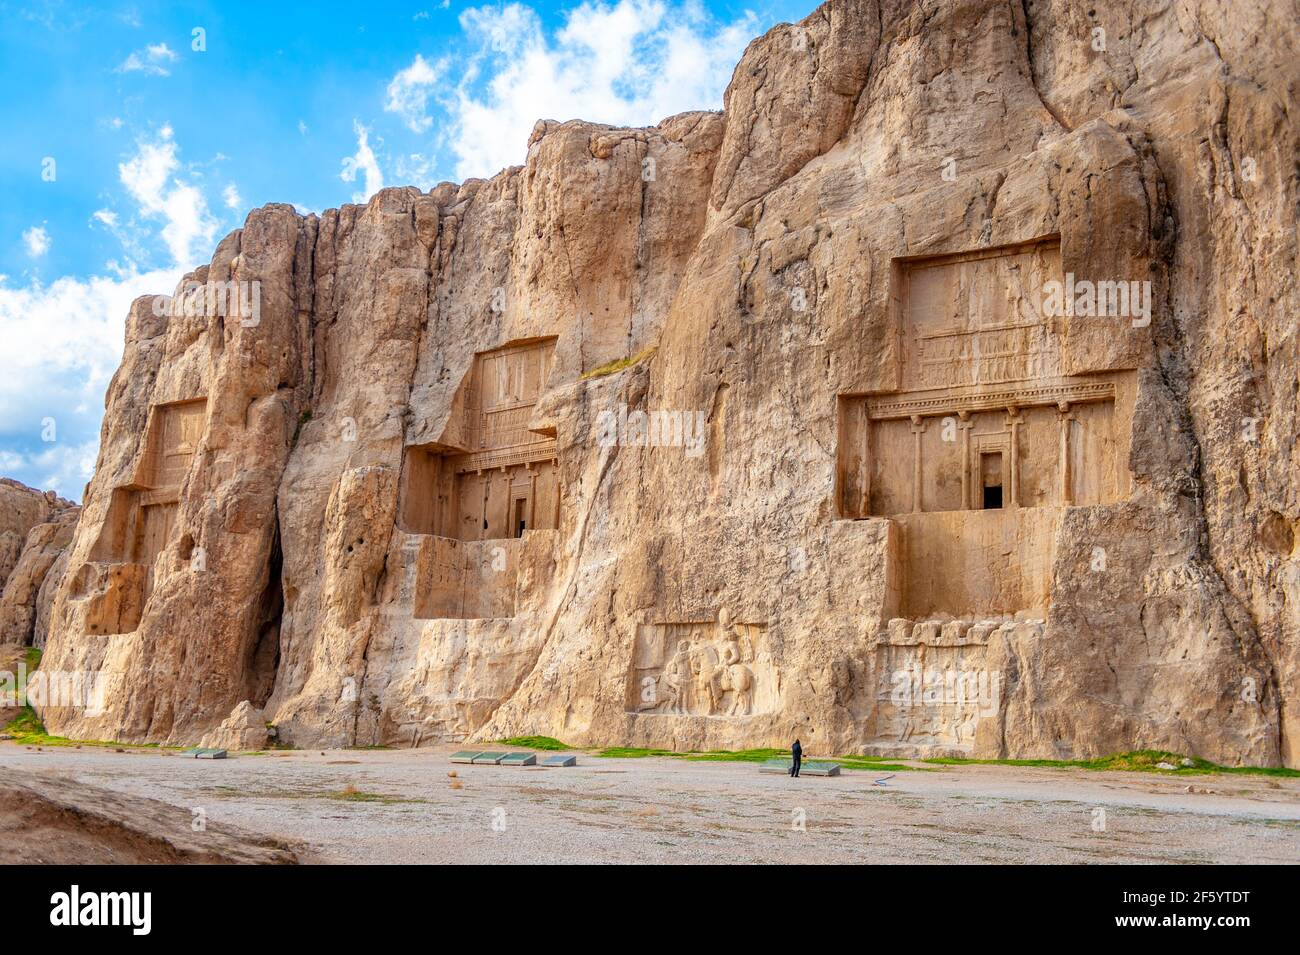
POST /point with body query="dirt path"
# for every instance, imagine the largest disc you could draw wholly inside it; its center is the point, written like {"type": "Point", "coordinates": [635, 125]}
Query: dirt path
{"type": "Point", "coordinates": [405, 808]}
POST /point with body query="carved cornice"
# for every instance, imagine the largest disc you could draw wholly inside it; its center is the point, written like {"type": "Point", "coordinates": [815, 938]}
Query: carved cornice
{"type": "Point", "coordinates": [928, 404]}
{"type": "Point", "coordinates": [505, 457]}
{"type": "Point", "coordinates": [160, 495]}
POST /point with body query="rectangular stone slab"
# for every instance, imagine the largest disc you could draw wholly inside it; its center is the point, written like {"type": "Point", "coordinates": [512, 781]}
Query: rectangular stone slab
{"type": "Point", "coordinates": [809, 769]}
{"type": "Point", "coordinates": [198, 752]}
{"type": "Point", "coordinates": [560, 759]}
{"type": "Point", "coordinates": [820, 769]}
{"type": "Point", "coordinates": [488, 759]}
{"type": "Point", "coordinates": [518, 759]}
{"type": "Point", "coordinates": [464, 756]}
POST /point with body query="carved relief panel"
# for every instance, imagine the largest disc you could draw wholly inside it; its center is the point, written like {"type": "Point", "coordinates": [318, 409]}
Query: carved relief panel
{"type": "Point", "coordinates": [174, 435]}
{"type": "Point", "coordinates": [933, 687]}
{"type": "Point", "coordinates": [505, 386]}
{"type": "Point", "coordinates": [707, 668]}
{"type": "Point", "coordinates": [976, 318]}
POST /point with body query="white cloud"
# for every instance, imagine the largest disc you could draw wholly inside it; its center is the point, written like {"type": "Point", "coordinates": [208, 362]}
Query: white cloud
{"type": "Point", "coordinates": [149, 61]}
{"type": "Point", "coordinates": [363, 161]}
{"type": "Point", "coordinates": [230, 196]}
{"type": "Point", "coordinates": [408, 92]}
{"type": "Point", "coordinates": [150, 177]}
{"type": "Point", "coordinates": [632, 63]}
{"type": "Point", "coordinates": [61, 466]}
{"type": "Point", "coordinates": [37, 241]}
{"type": "Point", "coordinates": [417, 169]}
{"type": "Point", "coordinates": [63, 342]}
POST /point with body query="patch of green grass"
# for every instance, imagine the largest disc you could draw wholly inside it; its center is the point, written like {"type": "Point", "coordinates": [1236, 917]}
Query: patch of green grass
{"type": "Point", "coordinates": [864, 763]}
{"type": "Point", "coordinates": [535, 742]}
{"type": "Point", "coordinates": [28, 730]}
{"type": "Point", "coordinates": [1139, 761]}
{"type": "Point", "coordinates": [610, 368]}
{"type": "Point", "coordinates": [350, 793]}
{"type": "Point", "coordinates": [738, 755]}
{"type": "Point", "coordinates": [14, 685]}
{"type": "Point", "coordinates": [873, 764]}
{"type": "Point", "coordinates": [634, 752]}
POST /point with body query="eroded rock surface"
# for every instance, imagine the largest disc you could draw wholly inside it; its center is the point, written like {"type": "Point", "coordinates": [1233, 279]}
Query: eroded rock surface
{"type": "Point", "coordinates": [35, 529]}
{"type": "Point", "coordinates": [750, 425]}
{"type": "Point", "coordinates": [243, 729]}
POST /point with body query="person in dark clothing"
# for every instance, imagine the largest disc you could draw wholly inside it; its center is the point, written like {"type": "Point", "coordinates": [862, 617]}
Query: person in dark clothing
{"type": "Point", "coordinates": [796, 751]}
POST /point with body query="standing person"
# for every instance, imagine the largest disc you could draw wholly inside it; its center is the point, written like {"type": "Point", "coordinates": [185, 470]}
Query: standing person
{"type": "Point", "coordinates": [796, 751]}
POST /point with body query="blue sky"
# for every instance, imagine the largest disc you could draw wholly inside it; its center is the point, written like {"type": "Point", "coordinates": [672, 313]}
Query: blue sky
{"type": "Point", "coordinates": [139, 134]}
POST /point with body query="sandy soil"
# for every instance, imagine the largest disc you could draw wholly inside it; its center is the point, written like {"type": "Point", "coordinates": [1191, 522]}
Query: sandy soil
{"type": "Point", "coordinates": [406, 808]}
{"type": "Point", "coordinates": [49, 818]}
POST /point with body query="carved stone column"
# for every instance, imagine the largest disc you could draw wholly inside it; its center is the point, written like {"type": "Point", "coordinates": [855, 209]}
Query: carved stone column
{"type": "Point", "coordinates": [964, 424]}
{"type": "Point", "coordinates": [918, 429]}
{"type": "Point", "coordinates": [864, 479]}
{"type": "Point", "coordinates": [1014, 420]}
{"type": "Point", "coordinates": [532, 497]}
{"type": "Point", "coordinates": [1065, 417]}
{"type": "Point", "coordinates": [509, 502]}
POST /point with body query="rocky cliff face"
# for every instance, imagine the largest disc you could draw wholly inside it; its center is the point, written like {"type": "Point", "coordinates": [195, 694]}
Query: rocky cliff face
{"type": "Point", "coordinates": [749, 425]}
{"type": "Point", "coordinates": [35, 529]}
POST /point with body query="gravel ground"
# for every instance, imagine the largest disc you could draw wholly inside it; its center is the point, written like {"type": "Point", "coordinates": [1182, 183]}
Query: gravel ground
{"type": "Point", "coordinates": [407, 808]}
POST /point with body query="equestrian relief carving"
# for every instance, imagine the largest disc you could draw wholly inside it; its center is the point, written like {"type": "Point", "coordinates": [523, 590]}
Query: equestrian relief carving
{"type": "Point", "coordinates": [721, 668]}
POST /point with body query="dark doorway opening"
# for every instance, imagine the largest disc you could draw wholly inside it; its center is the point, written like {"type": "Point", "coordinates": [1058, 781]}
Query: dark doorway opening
{"type": "Point", "coordinates": [521, 516]}
{"type": "Point", "coordinates": [991, 479]}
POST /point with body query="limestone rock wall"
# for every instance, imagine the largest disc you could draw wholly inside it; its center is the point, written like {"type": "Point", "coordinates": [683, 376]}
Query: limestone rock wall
{"type": "Point", "coordinates": [35, 528]}
{"type": "Point", "coordinates": [21, 509]}
{"type": "Point", "coordinates": [746, 272]}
